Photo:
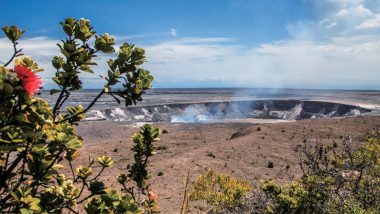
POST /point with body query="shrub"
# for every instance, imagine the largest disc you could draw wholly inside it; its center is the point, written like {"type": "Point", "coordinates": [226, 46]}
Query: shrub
{"type": "Point", "coordinates": [270, 164]}
{"type": "Point", "coordinates": [303, 196]}
{"type": "Point", "coordinates": [221, 191]}
{"type": "Point", "coordinates": [35, 139]}
{"type": "Point", "coordinates": [335, 180]}
{"type": "Point", "coordinates": [210, 154]}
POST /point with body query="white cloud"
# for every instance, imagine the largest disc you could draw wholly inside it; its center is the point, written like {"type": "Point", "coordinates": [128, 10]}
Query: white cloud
{"type": "Point", "coordinates": [173, 32]}
{"type": "Point", "coordinates": [185, 49]}
{"type": "Point", "coordinates": [301, 30]}
{"type": "Point", "coordinates": [339, 63]}
{"type": "Point", "coordinates": [346, 2]}
{"type": "Point", "coordinates": [338, 18]}
{"type": "Point", "coordinates": [341, 49]}
{"type": "Point", "coordinates": [42, 49]}
{"type": "Point", "coordinates": [370, 23]}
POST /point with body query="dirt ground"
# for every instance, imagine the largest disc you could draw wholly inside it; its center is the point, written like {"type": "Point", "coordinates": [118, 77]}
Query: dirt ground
{"type": "Point", "coordinates": [239, 149]}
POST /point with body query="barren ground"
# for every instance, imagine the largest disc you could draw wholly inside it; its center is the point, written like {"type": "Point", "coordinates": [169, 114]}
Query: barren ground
{"type": "Point", "coordinates": [239, 149]}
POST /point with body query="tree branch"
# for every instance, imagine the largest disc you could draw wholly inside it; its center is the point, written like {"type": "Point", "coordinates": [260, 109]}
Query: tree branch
{"type": "Point", "coordinates": [14, 54]}
{"type": "Point", "coordinates": [58, 103]}
{"type": "Point", "coordinates": [86, 109]}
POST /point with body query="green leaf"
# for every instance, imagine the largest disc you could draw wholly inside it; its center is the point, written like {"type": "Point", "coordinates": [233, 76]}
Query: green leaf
{"type": "Point", "coordinates": [73, 143]}
{"type": "Point", "coordinates": [96, 187]}
{"type": "Point", "coordinates": [15, 196]}
{"type": "Point", "coordinates": [12, 32]}
{"type": "Point", "coordinates": [57, 62]}
{"type": "Point", "coordinates": [105, 161]}
{"type": "Point", "coordinates": [83, 172]}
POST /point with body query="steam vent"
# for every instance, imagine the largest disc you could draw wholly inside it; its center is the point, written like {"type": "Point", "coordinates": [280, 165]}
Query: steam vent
{"type": "Point", "coordinates": [217, 111]}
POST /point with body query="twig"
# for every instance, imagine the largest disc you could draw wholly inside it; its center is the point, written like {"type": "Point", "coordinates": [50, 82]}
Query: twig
{"type": "Point", "coordinates": [64, 100]}
{"type": "Point", "coordinates": [205, 212]}
{"type": "Point", "coordinates": [14, 54]}
{"type": "Point", "coordinates": [86, 109]}
{"type": "Point", "coordinates": [85, 198]}
{"type": "Point", "coordinates": [184, 208]}
{"type": "Point", "coordinates": [72, 170]}
{"type": "Point", "coordinates": [57, 158]}
{"type": "Point", "coordinates": [98, 174]}
{"type": "Point", "coordinates": [58, 103]}
{"type": "Point", "coordinates": [71, 209]}
{"type": "Point", "coordinates": [4, 176]}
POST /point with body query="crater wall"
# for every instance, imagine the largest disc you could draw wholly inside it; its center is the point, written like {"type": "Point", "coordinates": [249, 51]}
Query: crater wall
{"type": "Point", "coordinates": [216, 111]}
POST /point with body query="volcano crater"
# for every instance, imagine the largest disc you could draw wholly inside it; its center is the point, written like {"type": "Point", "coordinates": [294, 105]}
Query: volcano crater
{"type": "Point", "coordinates": [206, 112]}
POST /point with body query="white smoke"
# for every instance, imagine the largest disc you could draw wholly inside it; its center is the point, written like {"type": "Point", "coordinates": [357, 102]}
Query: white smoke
{"type": "Point", "coordinates": [193, 114]}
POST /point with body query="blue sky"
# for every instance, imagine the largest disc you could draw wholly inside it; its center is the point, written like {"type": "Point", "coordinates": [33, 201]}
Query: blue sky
{"type": "Point", "coordinates": [250, 21]}
{"type": "Point", "coordinates": [221, 43]}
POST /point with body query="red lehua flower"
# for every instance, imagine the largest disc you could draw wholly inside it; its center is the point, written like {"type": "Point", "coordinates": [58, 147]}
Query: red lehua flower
{"type": "Point", "coordinates": [28, 78]}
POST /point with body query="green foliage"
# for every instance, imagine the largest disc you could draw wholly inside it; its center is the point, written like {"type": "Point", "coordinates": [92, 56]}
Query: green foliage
{"type": "Point", "coordinates": [78, 57]}
{"type": "Point", "coordinates": [13, 33]}
{"type": "Point", "coordinates": [29, 63]}
{"type": "Point", "coordinates": [221, 191]}
{"type": "Point", "coordinates": [75, 113]}
{"type": "Point", "coordinates": [104, 43]}
{"type": "Point", "coordinates": [105, 161]}
{"type": "Point", "coordinates": [112, 202]}
{"type": "Point", "coordinates": [37, 141]}
{"type": "Point", "coordinates": [84, 172]}
{"type": "Point", "coordinates": [303, 196]}
{"type": "Point", "coordinates": [143, 149]}
{"type": "Point", "coordinates": [336, 180]}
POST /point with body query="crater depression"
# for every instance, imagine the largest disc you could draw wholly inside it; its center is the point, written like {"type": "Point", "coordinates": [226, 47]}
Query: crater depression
{"type": "Point", "coordinates": [205, 112]}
